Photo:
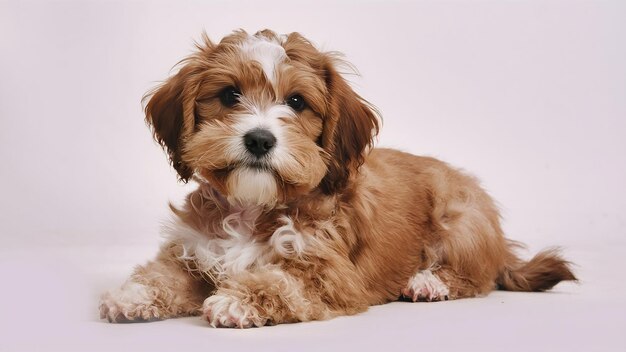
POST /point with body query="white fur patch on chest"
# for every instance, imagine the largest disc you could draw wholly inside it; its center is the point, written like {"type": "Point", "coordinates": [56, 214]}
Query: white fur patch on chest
{"type": "Point", "coordinates": [266, 52]}
{"type": "Point", "coordinates": [234, 248]}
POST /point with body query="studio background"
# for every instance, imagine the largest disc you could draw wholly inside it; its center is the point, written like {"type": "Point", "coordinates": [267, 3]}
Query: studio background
{"type": "Point", "coordinates": [529, 96]}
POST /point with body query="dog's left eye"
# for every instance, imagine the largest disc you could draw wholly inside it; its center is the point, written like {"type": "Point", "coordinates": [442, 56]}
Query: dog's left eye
{"type": "Point", "coordinates": [296, 102]}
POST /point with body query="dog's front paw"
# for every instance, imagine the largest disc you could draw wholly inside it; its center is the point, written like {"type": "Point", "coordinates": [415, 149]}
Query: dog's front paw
{"type": "Point", "coordinates": [131, 302]}
{"type": "Point", "coordinates": [225, 311]}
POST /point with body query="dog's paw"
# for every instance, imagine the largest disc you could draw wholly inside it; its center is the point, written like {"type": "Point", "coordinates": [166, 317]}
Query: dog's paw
{"type": "Point", "coordinates": [225, 311]}
{"type": "Point", "coordinates": [426, 286]}
{"type": "Point", "coordinates": [131, 302]}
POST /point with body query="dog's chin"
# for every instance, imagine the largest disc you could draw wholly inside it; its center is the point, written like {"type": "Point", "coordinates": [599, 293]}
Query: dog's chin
{"type": "Point", "coordinates": [252, 186]}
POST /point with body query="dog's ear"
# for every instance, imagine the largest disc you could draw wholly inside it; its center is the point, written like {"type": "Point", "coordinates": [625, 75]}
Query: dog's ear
{"type": "Point", "coordinates": [170, 110]}
{"type": "Point", "coordinates": [349, 129]}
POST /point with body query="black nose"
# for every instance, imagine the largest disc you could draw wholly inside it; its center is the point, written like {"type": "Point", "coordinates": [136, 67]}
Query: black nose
{"type": "Point", "coordinates": [259, 142]}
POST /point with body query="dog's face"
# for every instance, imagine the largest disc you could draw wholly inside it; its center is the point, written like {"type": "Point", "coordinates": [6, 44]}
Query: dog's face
{"type": "Point", "coordinates": [262, 118]}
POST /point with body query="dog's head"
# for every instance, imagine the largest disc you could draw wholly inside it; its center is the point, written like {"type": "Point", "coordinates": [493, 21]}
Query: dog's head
{"type": "Point", "coordinates": [262, 118]}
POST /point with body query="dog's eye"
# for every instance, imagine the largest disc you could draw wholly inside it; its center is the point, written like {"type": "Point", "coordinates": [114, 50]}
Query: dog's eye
{"type": "Point", "coordinates": [229, 96]}
{"type": "Point", "coordinates": [296, 102]}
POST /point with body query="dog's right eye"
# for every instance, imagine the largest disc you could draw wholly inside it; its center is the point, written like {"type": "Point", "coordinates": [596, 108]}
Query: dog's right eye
{"type": "Point", "coordinates": [229, 96]}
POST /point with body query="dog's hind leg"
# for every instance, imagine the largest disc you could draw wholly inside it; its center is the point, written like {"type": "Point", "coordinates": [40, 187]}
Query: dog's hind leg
{"type": "Point", "coordinates": [440, 284]}
{"type": "Point", "coordinates": [467, 246]}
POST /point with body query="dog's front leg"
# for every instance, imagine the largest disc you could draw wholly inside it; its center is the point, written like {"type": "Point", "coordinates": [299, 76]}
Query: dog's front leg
{"type": "Point", "coordinates": [263, 297]}
{"type": "Point", "coordinates": [162, 288]}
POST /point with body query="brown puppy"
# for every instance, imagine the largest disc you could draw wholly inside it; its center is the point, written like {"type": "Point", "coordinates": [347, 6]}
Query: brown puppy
{"type": "Point", "coordinates": [296, 217]}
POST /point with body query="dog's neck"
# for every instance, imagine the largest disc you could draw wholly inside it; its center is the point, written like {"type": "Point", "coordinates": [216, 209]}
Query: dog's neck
{"type": "Point", "coordinates": [229, 205]}
{"type": "Point", "coordinates": [313, 203]}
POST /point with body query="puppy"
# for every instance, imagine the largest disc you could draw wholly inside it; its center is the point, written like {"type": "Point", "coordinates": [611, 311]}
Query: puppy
{"type": "Point", "coordinates": [296, 217]}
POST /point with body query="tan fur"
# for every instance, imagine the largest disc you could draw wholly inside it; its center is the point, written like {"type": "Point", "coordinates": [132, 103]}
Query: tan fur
{"type": "Point", "coordinates": [360, 222]}
{"type": "Point", "coordinates": [175, 290]}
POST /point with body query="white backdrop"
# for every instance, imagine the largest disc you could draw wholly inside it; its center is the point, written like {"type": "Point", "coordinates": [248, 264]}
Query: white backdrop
{"type": "Point", "coordinates": [530, 96]}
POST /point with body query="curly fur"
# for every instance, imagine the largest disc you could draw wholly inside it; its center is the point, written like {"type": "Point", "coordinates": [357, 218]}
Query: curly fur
{"type": "Point", "coordinates": [321, 225]}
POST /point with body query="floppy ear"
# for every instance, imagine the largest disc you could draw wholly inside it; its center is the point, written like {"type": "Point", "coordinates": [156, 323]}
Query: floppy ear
{"type": "Point", "coordinates": [171, 108]}
{"type": "Point", "coordinates": [350, 128]}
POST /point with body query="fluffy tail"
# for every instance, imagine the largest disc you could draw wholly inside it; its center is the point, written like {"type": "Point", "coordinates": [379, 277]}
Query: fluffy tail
{"type": "Point", "coordinates": [541, 273]}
